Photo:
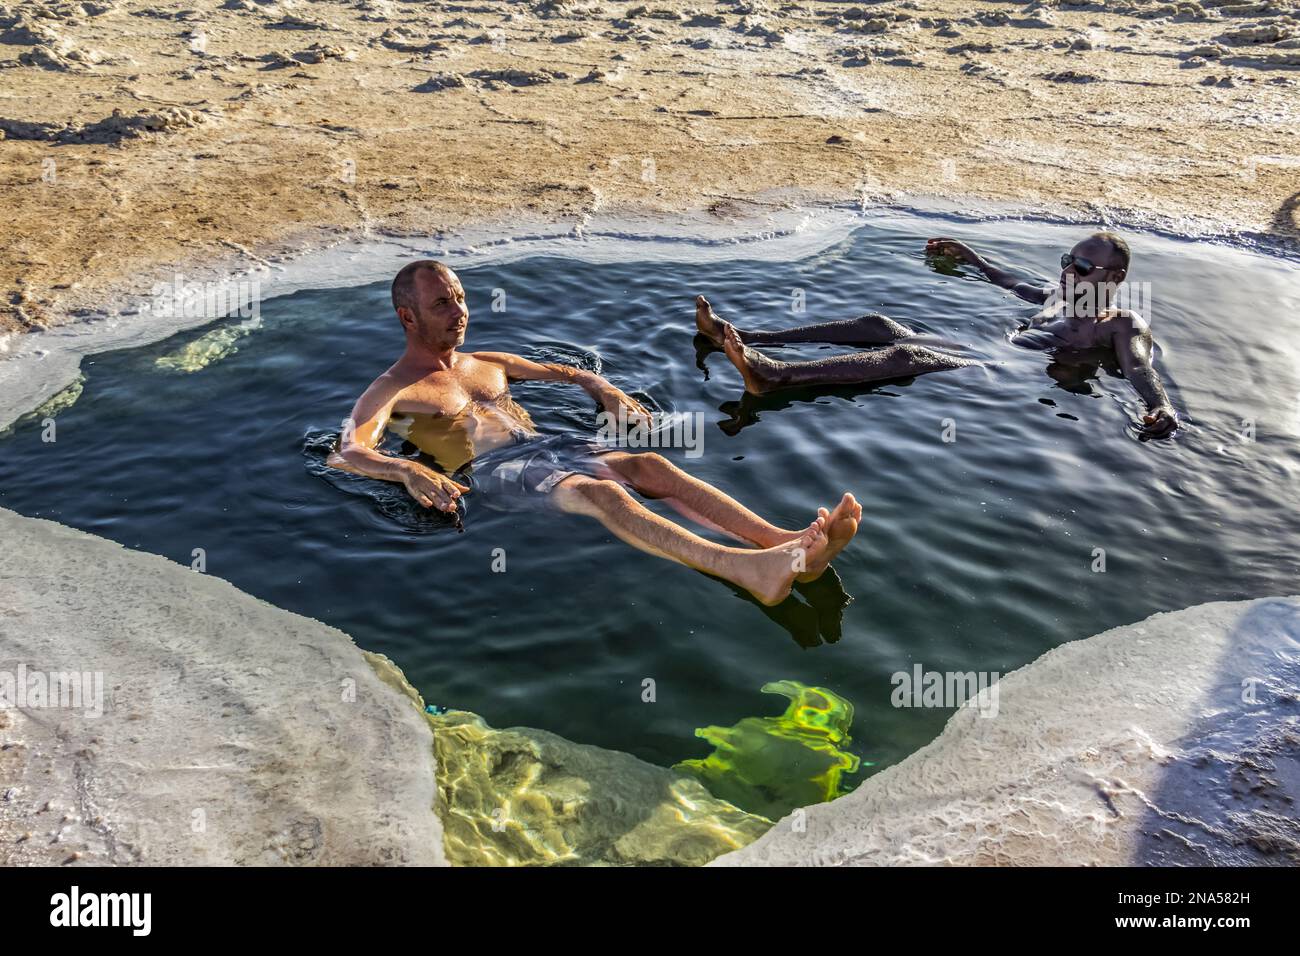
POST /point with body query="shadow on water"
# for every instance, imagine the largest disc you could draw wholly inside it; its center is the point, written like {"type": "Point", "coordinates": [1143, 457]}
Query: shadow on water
{"type": "Point", "coordinates": [812, 615]}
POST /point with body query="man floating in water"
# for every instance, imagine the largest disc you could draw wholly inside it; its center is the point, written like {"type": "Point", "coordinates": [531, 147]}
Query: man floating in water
{"type": "Point", "coordinates": [1078, 318]}
{"type": "Point", "coordinates": [456, 407]}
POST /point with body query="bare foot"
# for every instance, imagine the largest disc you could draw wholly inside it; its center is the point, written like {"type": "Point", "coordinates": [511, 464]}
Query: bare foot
{"type": "Point", "coordinates": [760, 373]}
{"type": "Point", "coordinates": [710, 326]}
{"type": "Point", "coordinates": [769, 574]}
{"type": "Point", "coordinates": [841, 525]}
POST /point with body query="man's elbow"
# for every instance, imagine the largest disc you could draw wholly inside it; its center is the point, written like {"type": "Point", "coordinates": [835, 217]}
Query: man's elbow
{"type": "Point", "coordinates": [340, 458]}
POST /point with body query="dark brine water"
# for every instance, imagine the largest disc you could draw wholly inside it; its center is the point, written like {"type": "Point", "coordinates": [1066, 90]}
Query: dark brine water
{"type": "Point", "coordinates": [974, 555]}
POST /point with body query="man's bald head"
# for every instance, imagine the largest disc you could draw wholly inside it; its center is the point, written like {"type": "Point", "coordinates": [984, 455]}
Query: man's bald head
{"type": "Point", "coordinates": [405, 288]}
{"type": "Point", "coordinates": [1120, 252]}
{"type": "Point", "coordinates": [430, 304]}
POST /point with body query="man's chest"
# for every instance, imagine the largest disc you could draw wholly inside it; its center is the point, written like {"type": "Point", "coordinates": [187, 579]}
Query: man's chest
{"type": "Point", "coordinates": [1077, 334]}
{"type": "Point", "coordinates": [448, 392]}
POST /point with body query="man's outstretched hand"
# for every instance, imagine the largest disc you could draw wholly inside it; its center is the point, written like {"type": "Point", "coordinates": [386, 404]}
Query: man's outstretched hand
{"type": "Point", "coordinates": [1158, 423]}
{"type": "Point", "coordinates": [613, 399]}
{"type": "Point", "coordinates": [430, 488]}
{"type": "Point", "coordinates": [951, 247]}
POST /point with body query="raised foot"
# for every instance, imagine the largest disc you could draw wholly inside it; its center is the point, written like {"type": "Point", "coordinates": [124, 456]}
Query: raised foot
{"type": "Point", "coordinates": [769, 574]}
{"type": "Point", "coordinates": [757, 370]}
{"type": "Point", "coordinates": [710, 326]}
{"type": "Point", "coordinates": [841, 525]}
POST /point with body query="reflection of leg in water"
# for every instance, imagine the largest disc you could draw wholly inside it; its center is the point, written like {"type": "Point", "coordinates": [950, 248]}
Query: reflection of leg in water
{"type": "Point", "coordinates": [763, 374]}
{"type": "Point", "coordinates": [869, 329]}
{"type": "Point", "coordinates": [826, 596]}
{"type": "Point", "coordinates": [767, 573]}
{"type": "Point", "coordinates": [818, 618]}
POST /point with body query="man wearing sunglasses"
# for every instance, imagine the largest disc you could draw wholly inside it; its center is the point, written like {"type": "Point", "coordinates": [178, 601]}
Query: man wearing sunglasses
{"type": "Point", "coordinates": [1077, 317]}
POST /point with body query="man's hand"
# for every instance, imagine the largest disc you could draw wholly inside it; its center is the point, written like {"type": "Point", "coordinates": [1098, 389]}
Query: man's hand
{"type": "Point", "coordinates": [953, 248]}
{"type": "Point", "coordinates": [613, 399]}
{"type": "Point", "coordinates": [1159, 422]}
{"type": "Point", "coordinates": [430, 488]}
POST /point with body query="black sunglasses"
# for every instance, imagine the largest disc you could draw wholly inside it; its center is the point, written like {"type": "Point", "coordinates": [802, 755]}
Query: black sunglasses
{"type": "Point", "coordinates": [1081, 265]}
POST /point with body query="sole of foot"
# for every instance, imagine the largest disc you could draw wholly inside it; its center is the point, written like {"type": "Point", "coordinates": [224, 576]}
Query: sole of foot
{"type": "Point", "coordinates": [709, 325]}
{"type": "Point", "coordinates": [745, 362]}
{"type": "Point", "coordinates": [841, 525]}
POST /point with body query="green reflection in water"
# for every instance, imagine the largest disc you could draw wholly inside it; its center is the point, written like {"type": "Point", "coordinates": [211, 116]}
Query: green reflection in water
{"type": "Point", "coordinates": [771, 765]}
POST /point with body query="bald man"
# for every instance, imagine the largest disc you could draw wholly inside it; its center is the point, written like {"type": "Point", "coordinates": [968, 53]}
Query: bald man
{"type": "Point", "coordinates": [1078, 317]}
{"type": "Point", "coordinates": [456, 407]}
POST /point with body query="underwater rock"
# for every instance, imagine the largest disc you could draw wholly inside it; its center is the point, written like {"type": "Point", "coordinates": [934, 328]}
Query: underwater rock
{"type": "Point", "coordinates": [524, 797]}
{"type": "Point", "coordinates": [52, 406]}
{"type": "Point", "coordinates": [208, 349]}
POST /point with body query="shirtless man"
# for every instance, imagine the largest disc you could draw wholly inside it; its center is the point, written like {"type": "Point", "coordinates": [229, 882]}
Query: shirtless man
{"type": "Point", "coordinates": [456, 407]}
{"type": "Point", "coordinates": [1077, 319]}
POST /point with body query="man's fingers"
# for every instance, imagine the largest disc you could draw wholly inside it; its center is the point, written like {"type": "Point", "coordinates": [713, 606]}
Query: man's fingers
{"type": "Point", "coordinates": [1158, 426]}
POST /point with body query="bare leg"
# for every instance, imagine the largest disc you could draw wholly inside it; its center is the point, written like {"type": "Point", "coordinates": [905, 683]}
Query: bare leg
{"type": "Point", "coordinates": [656, 477]}
{"type": "Point", "coordinates": [869, 329]}
{"type": "Point", "coordinates": [767, 574]}
{"type": "Point", "coordinates": [763, 374]}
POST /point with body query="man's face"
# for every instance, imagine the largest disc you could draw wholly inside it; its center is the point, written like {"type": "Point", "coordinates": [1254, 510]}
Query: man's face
{"type": "Point", "coordinates": [441, 316]}
{"type": "Point", "coordinates": [1095, 271]}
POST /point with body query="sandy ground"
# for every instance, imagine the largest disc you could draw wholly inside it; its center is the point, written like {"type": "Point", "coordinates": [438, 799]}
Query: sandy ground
{"type": "Point", "coordinates": [141, 136]}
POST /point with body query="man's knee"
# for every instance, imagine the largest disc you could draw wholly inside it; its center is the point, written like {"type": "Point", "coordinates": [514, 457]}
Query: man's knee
{"type": "Point", "coordinates": [649, 463]}
{"type": "Point", "coordinates": [585, 495]}
{"type": "Point", "coordinates": [599, 490]}
{"type": "Point", "coordinates": [639, 467]}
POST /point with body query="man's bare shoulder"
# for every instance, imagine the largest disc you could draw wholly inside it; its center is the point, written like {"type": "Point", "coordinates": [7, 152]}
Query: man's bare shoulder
{"type": "Point", "coordinates": [1129, 323]}
{"type": "Point", "coordinates": [495, 358]}
{"type": "Point", "coordinates": [386, 389]}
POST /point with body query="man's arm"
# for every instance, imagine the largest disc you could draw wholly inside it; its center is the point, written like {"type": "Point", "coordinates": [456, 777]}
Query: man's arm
{"type": "Point", "coordinates": [520, 369]}
{"type": "Point", "coordinates": [359, 454]}
{"type": "Point", "coordinates": [1028, 289]}
{"type": "Point", "coordinates": [1133, 346]}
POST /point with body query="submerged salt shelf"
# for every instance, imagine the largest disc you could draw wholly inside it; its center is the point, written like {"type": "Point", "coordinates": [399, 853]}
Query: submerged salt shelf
{"type": "Point", "coordinates": [974, 555]}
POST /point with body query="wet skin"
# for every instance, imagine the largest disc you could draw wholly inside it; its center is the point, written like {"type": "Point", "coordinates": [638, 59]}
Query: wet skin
{"type": "Point", "coordinates": [1093, 326]}
{"type": "Point", "coordinates": [1076, 333]}
{"type": "Point", "coordinates": [434, 381]}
